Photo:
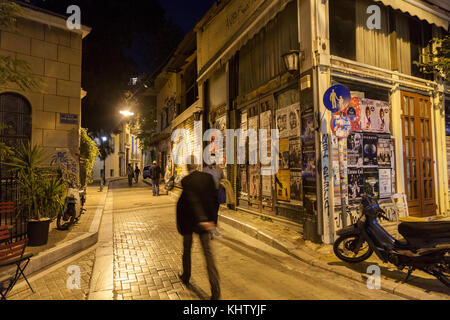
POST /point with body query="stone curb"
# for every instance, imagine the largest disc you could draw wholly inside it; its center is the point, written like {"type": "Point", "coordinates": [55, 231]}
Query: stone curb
{"type": "Point", "coordinates": [390, 286]}
{"type": "Point", "coordinates": [71, 247]}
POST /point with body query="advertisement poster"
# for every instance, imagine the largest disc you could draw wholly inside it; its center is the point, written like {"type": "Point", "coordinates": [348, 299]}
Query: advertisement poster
{"type": "Point", "coordinates": [221, 125]}
{"type": "Point", "coordinates": [283, 185]}
{"type": "Point", "coordinates": [343, 168]}
{"type": "Point", "coordinates": [254, 182]}
{"type": "Point", "coordinates": [253, 143]}
{"type": "Point", "coordinates": [352, 113]}
{"type": "Point", "coordinates": [370, 143]}
{"type": "Point", "coordinates": [385, 183]}
{"type": "Point", "coordinates": [355, 149]}
{"type": "Point", "coordinates": [384, 152]}
{"type": "Point", "coordinates": [296, 185]}
{"type": "Point", "coordinates": [336, 170]}
{"type": "Point", "coordinates": [355, 183]}
{"type": "Point", "coordinates": [267, 186]}
{"type": "Point", "coordinates": [309, 165]}
{"type": "Point", "coordinates": [295, 160]}
{"type": "Point", "coordinates": [294, 120]}
{"type": "Point", "coordinates": [243, 180]}
{"type": "Point", "coordinates": [308, 129]}
{"type": "Point", "coordinates": [371, 182]}
{"type": "Point", "coordinates": [284, 153]}
{"type": "Point", "coordinates": [282, 122]}
{"type": "Point", "coordinates": [375, 116]}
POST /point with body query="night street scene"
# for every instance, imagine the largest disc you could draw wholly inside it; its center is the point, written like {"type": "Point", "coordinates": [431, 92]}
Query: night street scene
{"type": "Point", "coordinates": [262, 154]}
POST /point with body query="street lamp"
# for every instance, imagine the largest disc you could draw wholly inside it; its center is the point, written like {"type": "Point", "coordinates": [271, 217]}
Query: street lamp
{"type": "Point", "coordinates": [126, 113]}
{"type": "Point", "coordinates": [291, 61]}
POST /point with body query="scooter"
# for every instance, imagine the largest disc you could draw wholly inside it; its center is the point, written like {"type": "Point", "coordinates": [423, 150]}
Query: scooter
{"type": "Point", "coordinates": [426, 245]}
{"type": "Point", "coordinates": [68, 215]}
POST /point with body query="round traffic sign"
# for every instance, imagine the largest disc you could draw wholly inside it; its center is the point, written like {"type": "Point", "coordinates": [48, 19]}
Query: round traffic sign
{"type": "Point", "coordinates": [336, 98]}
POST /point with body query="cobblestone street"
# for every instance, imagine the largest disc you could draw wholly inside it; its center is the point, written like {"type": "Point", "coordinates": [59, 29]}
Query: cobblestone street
{"type": "Point", "coordinates": [147, 259]}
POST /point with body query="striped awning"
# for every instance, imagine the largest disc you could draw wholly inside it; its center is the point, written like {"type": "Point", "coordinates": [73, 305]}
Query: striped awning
{"type": "Point", "coordinates": [422, 10]}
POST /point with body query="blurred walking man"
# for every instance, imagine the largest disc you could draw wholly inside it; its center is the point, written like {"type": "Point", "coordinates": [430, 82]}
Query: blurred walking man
{"type": "Point", "coordinates": [197, 212]}
{"type": "Point", "coordinates": [155, 175]}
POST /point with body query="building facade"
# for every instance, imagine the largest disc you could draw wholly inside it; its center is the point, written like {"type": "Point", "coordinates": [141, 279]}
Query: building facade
{"type": "Point", "coordinates": [394, 115]}
{"type": "Point", "coordinates": [50, 115]}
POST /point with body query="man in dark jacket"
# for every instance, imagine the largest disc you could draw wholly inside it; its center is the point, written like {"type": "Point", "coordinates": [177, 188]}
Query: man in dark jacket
{"type": "Point", "coordinates": [197, 212]}
{"type": "Point", "coordinates": [155, 174]}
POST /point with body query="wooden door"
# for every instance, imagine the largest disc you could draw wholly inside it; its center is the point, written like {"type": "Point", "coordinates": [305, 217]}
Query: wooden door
{"type": "Point", "coordinates": [418, 154]}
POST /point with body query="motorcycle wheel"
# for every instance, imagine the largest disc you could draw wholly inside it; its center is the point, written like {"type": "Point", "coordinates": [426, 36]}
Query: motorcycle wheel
{"type": "Point", "coordinates": [442, 271]}
{"type": "Point", "coordinates": [344, 249]}
{"type": "Point", "coordinates": [62, 224]}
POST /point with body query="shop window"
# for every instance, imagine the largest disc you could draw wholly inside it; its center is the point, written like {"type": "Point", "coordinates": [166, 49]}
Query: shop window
{"type": "Point", "coordinates": [342, 28]}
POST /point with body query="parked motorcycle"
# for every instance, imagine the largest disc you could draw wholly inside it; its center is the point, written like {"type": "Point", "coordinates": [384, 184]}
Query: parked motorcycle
{"type": "Point", "coordinates": [69, 214]}
{"type": "Point", "coordinates": [426, 245]}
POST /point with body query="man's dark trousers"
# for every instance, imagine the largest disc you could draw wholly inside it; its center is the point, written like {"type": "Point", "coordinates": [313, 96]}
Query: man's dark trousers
{"type": "Point", "coordinates": [213, 274]}
{"type": "Point", "coordinates": [155, 187]}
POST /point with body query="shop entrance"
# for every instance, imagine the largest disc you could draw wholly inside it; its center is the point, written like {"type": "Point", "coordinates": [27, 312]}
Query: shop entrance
{"type": "Point", "coordinates": [418, 154]}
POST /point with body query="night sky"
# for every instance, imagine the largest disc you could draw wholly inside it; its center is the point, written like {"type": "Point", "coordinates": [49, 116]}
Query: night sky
{"type": "Point", "coordinates": [128, 38]}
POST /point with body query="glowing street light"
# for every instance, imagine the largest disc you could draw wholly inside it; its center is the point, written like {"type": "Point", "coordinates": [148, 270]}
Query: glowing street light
{"type": "Point", "coordinates": [126, 113]}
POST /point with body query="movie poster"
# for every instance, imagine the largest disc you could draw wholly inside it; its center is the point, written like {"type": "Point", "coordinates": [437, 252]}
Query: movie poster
{"type": "Point", "coordinates": [384, 152]}
{"type": "Point", "coordinates": [355, 183]}
{"type": "Point", "coordinates": [309, 165]}
{"type": "Point", "coordinates": [371, 182]}
{"type": "Point", "coordinates": [294, 120]}
{"type": "Point", "coordinates": [352, 112]}
{"type": "Point", "coordinates": [296, 185]}
{"type": "Point", "coordinates": [308, 129]}
{"type": "Point", "coordinates": [370, 143]}
{"type": "Point", "coordinates": [254, 182]}
{"type": "Point", "coordinates": [282, 122]}
{"type": "Point", "coordinates": [284, 153]}
{"type": "Point", "coordinates": [355, 149]}
{"type": "Point", "coordinates": [283, 185]}
{"type": "Point", "coordinates": [375, 116]}
{"type": "Point", "coordinates": [266, 186]}
{"type": "Point", "coordinates": [385, 183]}
{"type": "Point", "coordinates": [295, 160]}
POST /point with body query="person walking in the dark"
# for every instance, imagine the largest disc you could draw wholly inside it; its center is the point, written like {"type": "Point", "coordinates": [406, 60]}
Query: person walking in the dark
{"type": "Point", "coordinates": [197, 212]}
{"type": "Point", "coordinates": [155, 175]}
{"type": "Point", "coordinates": [130, 174]}
{"type": "Point", "coordinates": [137, 172]}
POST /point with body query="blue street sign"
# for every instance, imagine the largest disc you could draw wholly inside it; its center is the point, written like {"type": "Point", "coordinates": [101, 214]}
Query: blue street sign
{"type": "Point", "coordinates": [336, 98]}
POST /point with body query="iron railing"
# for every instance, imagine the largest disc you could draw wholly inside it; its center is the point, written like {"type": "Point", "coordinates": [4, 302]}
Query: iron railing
{"type": "Point", "coordinates": [9, 194]}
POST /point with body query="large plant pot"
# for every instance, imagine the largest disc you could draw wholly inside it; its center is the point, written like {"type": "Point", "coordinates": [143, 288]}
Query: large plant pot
{"type": "Point", "coordinates": [37, 232]}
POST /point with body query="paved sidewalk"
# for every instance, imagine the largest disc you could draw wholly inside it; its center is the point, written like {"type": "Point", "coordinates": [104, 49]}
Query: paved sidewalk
{"type": "Point", "coordinates": [420, 285]}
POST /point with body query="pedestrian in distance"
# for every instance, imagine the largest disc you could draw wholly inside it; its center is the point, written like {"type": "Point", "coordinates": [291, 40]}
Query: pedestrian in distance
{"type": "Point", "coordinates": [155, 175]}
{"type": "Point", "coordinates": [137, 172]}
{"type": "Point", "coordinates": [130, 174]}
{"type": "Point", "coordinates": [197, 213]}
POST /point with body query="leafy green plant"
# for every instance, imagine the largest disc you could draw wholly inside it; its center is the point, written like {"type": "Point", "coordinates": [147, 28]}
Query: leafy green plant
{"type": "Point", "coordinates": [51, 195]}
{"type": "Point", "coordinates": [88, 151]}
{"type": "Point", "coordinates": [439, 60]}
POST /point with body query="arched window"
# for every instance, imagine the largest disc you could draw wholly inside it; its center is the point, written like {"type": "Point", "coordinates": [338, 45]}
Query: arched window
{"type": "Point", "coordinates": [15, 119]}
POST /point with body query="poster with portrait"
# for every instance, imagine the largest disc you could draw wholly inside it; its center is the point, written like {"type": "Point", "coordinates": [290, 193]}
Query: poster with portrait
{"type": "Point", "coordinates": [284, 153]}
{"type": "Point", "coordinates": [295, 161]}
{"type": "Point", "coordinates": [254, 182]}
{"type": "Point", "coordinates": [266, 186]}
{"type": "Point", "coordinates": [308, 165]}
{"type": "Point", "coordinates": [253, 142]}
{"type": "Point", "coordinates": [355, 149]}
{"type": "Point", "coordinates": [385, 182]}
{"type": "Point", "coordinates": [384, 152]}
{"type": "Point", "coordinates": [294, 120]}
{"type": "Point", "coordinates": [352, 112]}
{"type": "Point", "coordinates": [283, 185]}
{"type": "Point", "coordinates": [296, 185]}
{"type": "Point", "coordinates": [370, 143]}
{"type": "Point", "coordinates": [281, 120]}
{"type": "Point", "coordinates": [371, 182]}
{"type": "Point", "coordinates": [308, 129]}
{"type": "Point", "coordinates": [355, 183]}
{"type": "Point", "coordinates": [221, 125]}
{"type": "Point", "coordinates": [243, 184]}
{"type": "Point", "coordinates": [375, 116]}
{"type": "Point", "coordinates": [265, 123]}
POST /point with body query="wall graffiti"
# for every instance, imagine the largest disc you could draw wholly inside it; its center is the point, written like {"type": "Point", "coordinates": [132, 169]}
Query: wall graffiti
{"type": "Point", "coordinates": [326, 177]}
{"type": "Point", "coordinates": [68, 166]}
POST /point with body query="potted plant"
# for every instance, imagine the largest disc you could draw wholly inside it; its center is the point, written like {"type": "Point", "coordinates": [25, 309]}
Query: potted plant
{"type": "Point", "coordinates": [40, 193]}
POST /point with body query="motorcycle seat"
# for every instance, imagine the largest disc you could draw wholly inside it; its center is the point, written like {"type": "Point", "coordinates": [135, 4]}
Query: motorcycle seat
{"type": "Point", "coordinates": [429, 230]}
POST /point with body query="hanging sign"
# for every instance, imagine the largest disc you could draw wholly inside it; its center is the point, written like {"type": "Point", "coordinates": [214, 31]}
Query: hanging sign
{"type": "Point", "coordinates": [341, 125]}
{"type": "Point", "coordinates": [336, 98]}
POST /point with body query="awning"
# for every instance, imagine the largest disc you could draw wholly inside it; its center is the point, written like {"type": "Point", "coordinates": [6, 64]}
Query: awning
{"type": "Point", "coordinates": [421, 10]}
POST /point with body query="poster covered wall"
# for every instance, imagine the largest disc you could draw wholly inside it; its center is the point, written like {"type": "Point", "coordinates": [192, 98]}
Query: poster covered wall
{"type": "Point", "coordinates": [283, 185]}
{"type": "Point", "coordinates": [375, 115]}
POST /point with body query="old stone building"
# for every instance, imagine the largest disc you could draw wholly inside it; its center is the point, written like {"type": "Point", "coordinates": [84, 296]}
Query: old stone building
{"type": "Point", "coordinates": [49, 115]}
